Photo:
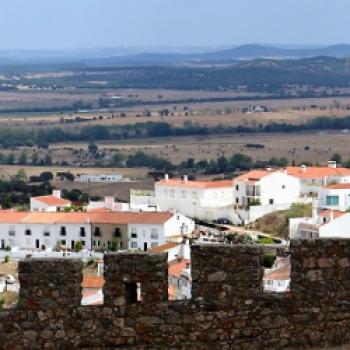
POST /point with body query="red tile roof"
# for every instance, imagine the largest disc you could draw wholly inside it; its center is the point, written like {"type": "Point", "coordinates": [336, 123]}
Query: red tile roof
{"type": "Point", "coordinates": [254, 175]}
{"type": "Point", "coordinates": [327, 213]}
{"type": "Point", "coordinates": [338, 187]}
{"type": "Point", "coordinates": [152, 218]}
{"type": "Point", "coordinates": [317, 172]}
{"type": "Point", "coordinates": [125, 217]}
{"type": "Point", "coordinates": [175, 268]}
{"type": "Point", "coordinates": [95, 282]}
{"type": "Point", "coordinates": [281, 274]}
{"type": "Point", "coordinates": [52, 201]}
{"type": "Point", "coordinates": [196, 184]}
{"type": "Point", "coordinates": [164, 247]}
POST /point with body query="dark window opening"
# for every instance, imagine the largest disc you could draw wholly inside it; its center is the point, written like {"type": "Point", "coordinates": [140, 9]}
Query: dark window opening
{"type": "Point", "coordinates": [132, 292]}
{"type": "Point", "coordinates": [97, 232]}
{"type": "Point", "coordinates": [28, 232]}
{"type": "Point", "coordinates": [82, 232]}
{"type": "Point", "coordinates": [63, 231]}
{"type": "Point", "coordinates": [117, 232]}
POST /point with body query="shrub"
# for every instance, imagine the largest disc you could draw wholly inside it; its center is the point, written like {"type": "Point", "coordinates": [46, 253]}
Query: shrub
{"type": "Point", "coordinates": [268, 260]}
{"type": "Point", "coordinates": [6, 259]}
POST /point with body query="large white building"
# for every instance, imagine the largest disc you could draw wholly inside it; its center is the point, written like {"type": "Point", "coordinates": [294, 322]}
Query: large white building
{"type": "Point", "coordinates": [136, 230]}
{"type": "Point", "coordinates": [260, 192]}
{"type": "Point", "coordinates": [312, 179]}
{"type": "Point", "coordinates": [207, 200]}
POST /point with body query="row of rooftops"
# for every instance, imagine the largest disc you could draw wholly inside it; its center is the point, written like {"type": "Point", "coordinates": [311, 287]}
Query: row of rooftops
{"type": "Point", "coordinates": [302, 172]}
{"type": "Point", "coordinates": [121, 218]}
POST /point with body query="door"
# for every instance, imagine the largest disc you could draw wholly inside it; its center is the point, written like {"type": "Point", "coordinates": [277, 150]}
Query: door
{"type": "Point", "coordinates": [72, 244]}
{"type": "Point", "coordinates": [37, 243]}
{"type": "Point", "coordinates": [145, 246]}
{"type": "Point", "coordinates": [2, 244]}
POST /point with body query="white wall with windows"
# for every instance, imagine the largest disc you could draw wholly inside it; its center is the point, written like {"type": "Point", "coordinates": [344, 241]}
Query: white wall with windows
{"type": "Point", "coordinates": [44, 236]}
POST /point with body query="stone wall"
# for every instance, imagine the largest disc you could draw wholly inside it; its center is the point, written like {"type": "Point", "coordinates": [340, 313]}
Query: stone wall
{"type": "Point", "coordinates": [228, 310]}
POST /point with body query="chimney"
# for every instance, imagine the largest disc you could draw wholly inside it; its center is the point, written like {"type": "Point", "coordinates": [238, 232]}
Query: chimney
{"type": "Point", "coordinates": [303, 168]}
{"type": "Point", "coordinates": [166, 177]}
{"type": "Point", "coordinates": [185, 178]}
{"type": "Point", "coordinates": [332, 164]}
{"type": "Point", "coordinates": [56, 193]}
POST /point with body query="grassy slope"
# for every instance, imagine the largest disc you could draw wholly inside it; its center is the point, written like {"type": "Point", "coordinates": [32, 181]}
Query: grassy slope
{"type": "Point", "coordinates": [277, 223]}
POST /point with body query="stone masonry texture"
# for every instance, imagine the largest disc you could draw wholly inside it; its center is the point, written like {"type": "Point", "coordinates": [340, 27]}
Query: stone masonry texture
{"type": "Point", "coordinates": [228, 309]}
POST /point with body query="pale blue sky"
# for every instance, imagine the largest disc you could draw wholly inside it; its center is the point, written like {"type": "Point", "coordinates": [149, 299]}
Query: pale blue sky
{"type": "Point", "coordinates": [51, 24]}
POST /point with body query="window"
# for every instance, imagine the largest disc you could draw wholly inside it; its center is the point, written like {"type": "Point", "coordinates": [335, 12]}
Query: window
{"type": "Point", "coordinates": [194, 195]}
{"type": "Point", "coordinates": [46, 233]}
{"type": "Point", "coordinates": [133, 244]}
{"type": "Point", "coordinates": [283, 187]}
{"type": "Point", "coordinates": [133, 233]}
{"type": "Point", "coordinates": [97, 243]}
{"type": "Point", "coordinates": [63, 231]}
{"type": "Point", "coordinates": [12, 231]}
{"type": "Point", "coordinates": [237, 187]}
{"type": "Point", "coordinates": [133, 292]}
{"type": "Point", "coordinates": [184, 194]}
{"type": "Point", "coordinates": [172, 193]}
{"type": "Point", "coordinates": [117, 232]}
{"type": "Point", "coordinates": [332, 200]}
{"type": "Point", "coordinates": [154, 233]}
{"type": "Point", "coordinates": [97, 232]}
{"type": "Point", "coordinates": [237, 200]}
{"type": "Point", "coordinates": [63, 242]}
{"type": "Point", "coordinates": [28, 232]}
{"type": "Point", "coordinates": [83, 243]}
{"type": "Point", "coordinates": [271, 201]}
{"type": "Point", "coordinates": [82, 232]}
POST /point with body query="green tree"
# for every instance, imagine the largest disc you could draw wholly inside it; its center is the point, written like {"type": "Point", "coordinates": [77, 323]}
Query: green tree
{"type": "Point", "coordinates": [22, 160]}
{"type": "Point", "coordinates": [10, 159]}
{"type": "Point", "coordinates": [78, 246]}
{"type": "Point", "coordinates": [22, 175]}
{"type": "Point", "coordinates": [35, 159]}
{"type": "Point", "coordinates": [268, 260]}
{"type": "Point", "coordinates": [115, 245]}
{"type": "Point", "coordinates": [336, 158]}
{"type": "Point", "coordinates": [6, 203]}
{"type": "Point", "coordinates": [93, 148]}
{"type": "Point", "coordinates": [48, 159]}
{"type": "Point", "coordinates": [58, 246]}
{"type": "Point", "coordinates": [117, 160]}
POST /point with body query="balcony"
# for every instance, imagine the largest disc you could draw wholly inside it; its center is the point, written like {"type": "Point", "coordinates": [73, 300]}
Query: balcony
{"type": "Point", "coordinates": [252, 191]}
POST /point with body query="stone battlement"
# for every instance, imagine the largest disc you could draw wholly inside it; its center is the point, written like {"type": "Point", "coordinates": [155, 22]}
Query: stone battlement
{"type": "Point", "coordinates": [228, 309]}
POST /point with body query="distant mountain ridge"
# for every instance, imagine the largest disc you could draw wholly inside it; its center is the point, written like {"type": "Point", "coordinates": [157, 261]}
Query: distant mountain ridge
{"type": "Point", "coordinates": [123, 56]}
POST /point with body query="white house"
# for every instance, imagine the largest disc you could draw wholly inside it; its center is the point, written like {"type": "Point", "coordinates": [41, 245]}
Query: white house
{"type": "Point", "coordinates": [180, 279]}
{"type": "Point", "coordinates": [50, 203]}
{"type": "Point", "coordinates": [312, 179]}
{"type": "Point", "coordinates": [277, 280]}
{"type": "Point", "coordinates": [40, 231]}
{"type": "Point", "coordinates": [208, 200]}
{"type": "Point", "coordinates": [138, 230]}
{"type": "Point", "coordinates": [260, 192]}
{"type": "Point", "coordinates": [101, 178]}
{"type": "Point", "coordinates": [159, 228]}
{"type": "Point", "coordinates": [335, 197]}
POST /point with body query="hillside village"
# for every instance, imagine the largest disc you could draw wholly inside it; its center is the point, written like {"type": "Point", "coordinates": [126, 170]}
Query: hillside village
{"type": "Point", "coordinates": [180, 212]}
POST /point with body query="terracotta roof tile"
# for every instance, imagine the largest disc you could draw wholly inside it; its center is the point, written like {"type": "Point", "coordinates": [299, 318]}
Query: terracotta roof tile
{"type": "Point", "coordinates": [95, 282]}
{"type": "Point", "coordinates": [338, 187]}
{"type": "Point", "coordinates": [175, 268]}
{"type": "Point", "coordinates": [281, 274]}
{"type": "Point", "coordinates": [254, 175]}
{"type": "Point", "coordinates": [317, 172]}
{"type": "Point", "coordinates": [164, 247]}
{"type": "Point", "coordinates": [52, 200]}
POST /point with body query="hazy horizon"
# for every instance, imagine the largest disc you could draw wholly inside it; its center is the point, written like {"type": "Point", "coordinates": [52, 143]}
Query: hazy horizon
{"type": "Point", "coordinates": [82, 24]}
